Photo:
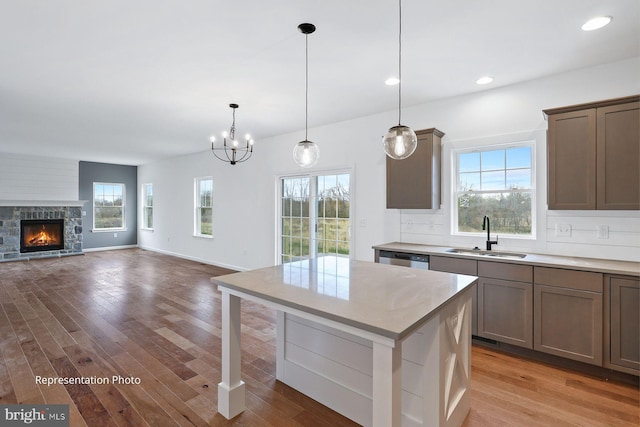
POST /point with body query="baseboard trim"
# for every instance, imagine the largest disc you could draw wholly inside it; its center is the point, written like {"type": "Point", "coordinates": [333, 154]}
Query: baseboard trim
{"type": "Point", "coordinates": [109, 248]}
{"type": "Point", "coordinates": [195, 259]}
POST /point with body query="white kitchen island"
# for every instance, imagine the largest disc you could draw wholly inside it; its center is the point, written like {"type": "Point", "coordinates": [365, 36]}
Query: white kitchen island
{"type": "Point", "coordinates": [383, 345]}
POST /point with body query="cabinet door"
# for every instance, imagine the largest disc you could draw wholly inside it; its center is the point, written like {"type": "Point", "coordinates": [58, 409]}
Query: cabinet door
{"type": "Point", "coordinates": [625, 323]}
{"type": "Point", "coordinates": [618, 154]}
{"type": "Point", "coordinates": [414, 182]}
{"type": "Point", "coordinates": [568, 323]}
{"type": "Point", "coordinates": [505, 311]}
{"type": "Point", "coordinates": [571, 158]}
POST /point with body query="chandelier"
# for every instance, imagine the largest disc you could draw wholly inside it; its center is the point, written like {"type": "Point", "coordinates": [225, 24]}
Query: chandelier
{"type": "Point", "coordinates": [401, 141]}
{"type": "Point", "coordinates": [233, 151]}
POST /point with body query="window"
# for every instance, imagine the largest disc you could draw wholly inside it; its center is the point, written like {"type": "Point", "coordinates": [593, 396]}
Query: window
{"type": "Point", "coordinates": [498, 182]}
{"type": "Point", "coordinates": [315, 216]}
{"type": "Point", "coordinates": [108, 206]}
{"type": "Point", "coordinates": [204, 207]}
{"type": "Point", "coordinates": [147, 208]}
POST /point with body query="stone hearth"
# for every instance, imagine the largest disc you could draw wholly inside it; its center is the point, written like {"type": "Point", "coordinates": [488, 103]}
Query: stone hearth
{"type": "Point", "coordinates": [10, 217]}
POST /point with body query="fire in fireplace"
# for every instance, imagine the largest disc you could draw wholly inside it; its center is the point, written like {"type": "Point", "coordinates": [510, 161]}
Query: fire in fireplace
{"type": "Point", "coordinates": [41, 235]}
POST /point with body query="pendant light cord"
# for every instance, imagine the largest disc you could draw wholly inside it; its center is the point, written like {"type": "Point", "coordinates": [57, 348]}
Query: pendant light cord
{"type": "Point", "coordinates": [306, 85]}
{"type": "Point", "coordinates": [400, 62]}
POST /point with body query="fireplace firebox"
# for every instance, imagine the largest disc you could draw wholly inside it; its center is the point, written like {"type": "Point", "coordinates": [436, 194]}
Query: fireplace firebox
{"type": "Point", "coordinates": [41, 235]}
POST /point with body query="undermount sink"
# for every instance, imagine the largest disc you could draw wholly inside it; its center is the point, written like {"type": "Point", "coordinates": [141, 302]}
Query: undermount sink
{"type": "Point", "coordinates": [496, 254]}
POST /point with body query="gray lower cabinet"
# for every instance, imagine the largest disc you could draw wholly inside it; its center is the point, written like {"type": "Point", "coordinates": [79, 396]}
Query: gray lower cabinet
{"type": "Point", "coordinates": [624, 325]}
{"type": "Point", "coordinates": [505, 303]}
{"type": "Point", "coordinates": [568, 320]}
{"type": "Point", "coordinates": [505, 311]}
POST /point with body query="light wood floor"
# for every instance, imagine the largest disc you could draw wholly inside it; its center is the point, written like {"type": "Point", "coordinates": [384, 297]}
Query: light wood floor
{"type": "Point", "coordinates": [140, 314]}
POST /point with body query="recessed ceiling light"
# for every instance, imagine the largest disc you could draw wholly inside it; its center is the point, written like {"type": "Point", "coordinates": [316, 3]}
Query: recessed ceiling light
{"type": "Point", "coordinates": [595, 23]}
{"type": "Point", "coordinates": [484, 80]}
{"type": "Point", "coordinates": [392, 81]}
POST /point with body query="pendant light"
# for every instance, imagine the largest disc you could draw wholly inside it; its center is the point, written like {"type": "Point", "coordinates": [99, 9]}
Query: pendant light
{"type": "Point", "coordinates": [306, 153]}
{"type": "Point", "coordinates": [401, 141]}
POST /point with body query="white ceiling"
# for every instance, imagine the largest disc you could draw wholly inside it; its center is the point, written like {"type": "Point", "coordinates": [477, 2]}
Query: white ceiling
{"type": "Point", "coordinates": [129, 82]}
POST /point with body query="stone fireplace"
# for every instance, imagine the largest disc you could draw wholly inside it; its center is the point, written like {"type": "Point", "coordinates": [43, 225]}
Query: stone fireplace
{"type": "Point", "coordinates": [38, 235]}
{"type": "Point", "coordinates": [41, 229]}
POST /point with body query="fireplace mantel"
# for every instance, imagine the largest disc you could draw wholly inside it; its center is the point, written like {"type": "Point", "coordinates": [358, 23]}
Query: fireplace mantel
{"type": "Point", "coordinates": [72, 203]}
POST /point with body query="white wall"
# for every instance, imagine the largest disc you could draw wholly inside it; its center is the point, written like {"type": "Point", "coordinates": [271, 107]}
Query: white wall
{"type": "Point", "coordinates": [244, 194]}
{"type": "Point", "coordinates": [37, 178]}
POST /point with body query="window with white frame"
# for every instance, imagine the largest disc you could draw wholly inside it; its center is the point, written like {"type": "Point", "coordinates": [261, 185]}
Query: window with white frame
{"type": "Point", "coordinates": [315, 216]}
{"type": "Point", "coordinates": [204, 207]}
{"type": "Point", "coordinates": [108, 206]}
{"type": "Point", "coordinates": [147, 206]}
{"type": "Point", "coordinates": [499, 182]}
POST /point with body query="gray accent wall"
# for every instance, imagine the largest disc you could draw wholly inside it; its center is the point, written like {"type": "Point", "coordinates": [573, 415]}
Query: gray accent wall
{"type": "Point", "coordinates": [91, 172]}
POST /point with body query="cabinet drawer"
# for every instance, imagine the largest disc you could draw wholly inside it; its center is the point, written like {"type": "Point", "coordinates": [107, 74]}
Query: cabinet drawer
{"type": "Point", "coordinates": [454, 265]}
{"type": "Point", "coordinates": [571, 279]}
{"type": "Point", "coordinates": [505, 271]}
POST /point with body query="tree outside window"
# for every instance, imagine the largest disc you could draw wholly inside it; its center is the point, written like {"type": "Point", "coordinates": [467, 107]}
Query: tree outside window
{"type": "Point", "coordinates": [497, 182]}
{"type": "Point", "coordinates": [147, 211]}
{"type": "Point", "coordinates": [204, 207]}
{"type": "Point", "coordinates": [108, 206]}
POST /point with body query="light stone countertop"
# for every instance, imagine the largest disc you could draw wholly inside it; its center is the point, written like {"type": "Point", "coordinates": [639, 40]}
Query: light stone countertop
{"type": "Point", "coordinates": [572, 263]}
{"type": "Point", "coordinates": [388, 300]}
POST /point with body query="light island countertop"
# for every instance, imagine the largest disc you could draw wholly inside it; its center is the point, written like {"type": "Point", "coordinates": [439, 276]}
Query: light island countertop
{"type": "Point", "coordinates": [387, 300]}
{"type": "Point", "coordinates": [556, 261]}
{"type": "Point", "coordinates": [357, 337]}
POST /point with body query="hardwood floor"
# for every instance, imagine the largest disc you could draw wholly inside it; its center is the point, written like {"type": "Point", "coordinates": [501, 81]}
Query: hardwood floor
{"type": "Point", "coordinates": [133, 313]}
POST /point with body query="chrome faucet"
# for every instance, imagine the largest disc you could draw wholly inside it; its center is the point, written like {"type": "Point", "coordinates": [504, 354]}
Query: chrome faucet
{"type": "Point", "coordinates": [486, 224]}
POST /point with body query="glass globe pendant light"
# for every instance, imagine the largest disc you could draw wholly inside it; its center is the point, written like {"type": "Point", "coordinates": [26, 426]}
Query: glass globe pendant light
{"type": "Point", "coordinates": [401, 141]}
{"type": "Point", "coordinates": [306, 153]}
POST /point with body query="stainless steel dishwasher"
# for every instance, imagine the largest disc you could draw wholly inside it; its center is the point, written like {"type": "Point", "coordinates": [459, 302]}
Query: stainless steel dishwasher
{"type": "Point", "coordinates": [404, 259]}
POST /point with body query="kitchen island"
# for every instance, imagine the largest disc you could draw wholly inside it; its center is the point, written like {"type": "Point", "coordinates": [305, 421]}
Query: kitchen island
{"type": "Point", "coordinates": [383, 345]}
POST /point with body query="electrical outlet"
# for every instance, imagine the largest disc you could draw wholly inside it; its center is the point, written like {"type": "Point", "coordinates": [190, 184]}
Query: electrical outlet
{"type": "Point", "coordinates": [115, 235]}
{"type": "Point", "coordinates": [363, 223]}
{"type": "Point", "coordinates": [563, 230]}
{"type": "Point", "coordinates": [603, 231]}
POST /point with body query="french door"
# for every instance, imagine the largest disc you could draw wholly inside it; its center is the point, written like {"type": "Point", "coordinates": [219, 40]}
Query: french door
{"type": "Point", "coordinates": [314, 216]}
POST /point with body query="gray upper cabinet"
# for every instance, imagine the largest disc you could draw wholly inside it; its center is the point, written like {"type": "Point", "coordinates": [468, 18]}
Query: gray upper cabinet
{"type": "Point", "coordinates": [414, 182]}
{"type": "Point", "coordinates": [594, 155]}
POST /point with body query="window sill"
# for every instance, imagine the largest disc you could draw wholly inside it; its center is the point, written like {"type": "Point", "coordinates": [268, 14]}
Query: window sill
{"type": "Point", "coordinates": [146, 229]}
{"type": "Point", "coordinates": [108, 230]}
{"type": "Point", "coordinates": [203, 236]}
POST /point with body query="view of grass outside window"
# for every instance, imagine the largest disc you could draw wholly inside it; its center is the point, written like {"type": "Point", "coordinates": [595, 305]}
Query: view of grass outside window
{"type": "Point", "coordinates": [315, 216]}
{"type": "Point", "coordinates": [147, 214]}
{"type": "Point", "coordinates": [334, 222]}
{"type": "Point", "coordinates": [497, 182]}
{"type": "Point", "coordinates": [108, 206]}
{"type": "Point", "coordinates": [204, 207]}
